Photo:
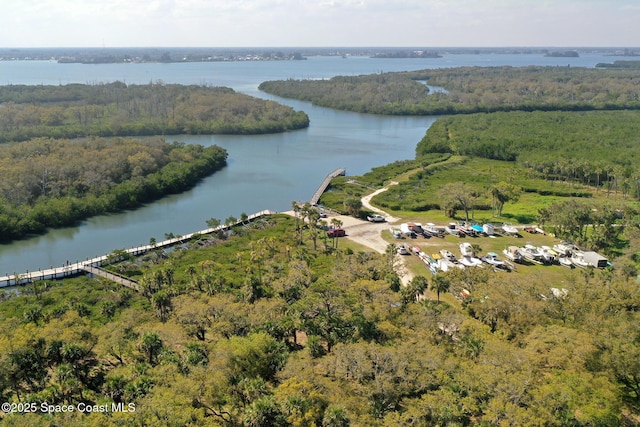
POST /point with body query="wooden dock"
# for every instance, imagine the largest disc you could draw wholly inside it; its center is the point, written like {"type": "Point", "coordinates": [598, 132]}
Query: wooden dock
{"type": "Point", "coordinates": [323, 187]}
{"type": "Point", "coordinates": [121, 280]}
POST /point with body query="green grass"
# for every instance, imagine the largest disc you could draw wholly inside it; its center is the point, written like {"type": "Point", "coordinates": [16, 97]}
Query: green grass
{"type": "Point", "coordinates": [235, 258]}
{"type": "Point", "coordinates": [420, 192]}
{"type": "Point", "coordinates": [417, 194]}
{"type": "Point", "coordinates": [54, 297]}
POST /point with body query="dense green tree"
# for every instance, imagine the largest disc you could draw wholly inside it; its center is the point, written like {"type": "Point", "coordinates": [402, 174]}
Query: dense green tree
{"type": "Point", "coordinates": [328, 343]}
{"type": "Point", "coordinates": [353, 205]}
{"type": "Point", "coordinates": [151, 345]}
{"type": "Point", "coordinates": [335, 416]}
{"type": "Point", "coordinates": [469, 90]}
{"type": "Point", "coordinates": [456, 196]}
{"type": "Point", "coordinates": [503, 192]}
{"type": "Point", "coordinates": [88, 177]}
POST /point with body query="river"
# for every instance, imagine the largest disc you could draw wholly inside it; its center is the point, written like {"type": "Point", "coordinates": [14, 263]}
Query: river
{"type": "Point", "coordinates": [263, 172]}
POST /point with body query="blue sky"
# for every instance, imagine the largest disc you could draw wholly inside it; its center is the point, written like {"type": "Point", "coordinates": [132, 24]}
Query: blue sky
{"type": "Point", "coordinates": [438, 23]}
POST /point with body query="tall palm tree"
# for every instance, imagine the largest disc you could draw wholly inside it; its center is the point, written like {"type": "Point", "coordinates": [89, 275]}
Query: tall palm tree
{"type": "Point", "coordinates": [151, 345]}
{"type": "Point", "coordinates": [162, 303]}
{"type": "Point", "coordinates": [336, 224]}
{"type": "Point", "coordinates": [314, 217]}
{"type": "Point", "coordinates": [418, 285]}
{"type": "Point", "coordinates": [295, 208]}
{"type": "Point", "coordinates": [440, 283]}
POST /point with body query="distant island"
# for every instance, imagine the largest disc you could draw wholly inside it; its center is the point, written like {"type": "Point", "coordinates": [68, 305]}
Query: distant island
{"type": "Point", "coordinates": [149, 55]}
{"type": "Point", "coordinates": [168, 57]}
{"type": "Point", "coordinates": [619, 65]}
{"type": "Point", "coordinates": [565, 54]}
{"type": "Point", "coordinates": [103, 55]}
{"type": "Point", "coordinates": [407, 54]}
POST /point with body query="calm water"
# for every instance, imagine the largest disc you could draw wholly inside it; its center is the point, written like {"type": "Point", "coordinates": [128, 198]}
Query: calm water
{"type": "Point", "coordinates": [264, 172]}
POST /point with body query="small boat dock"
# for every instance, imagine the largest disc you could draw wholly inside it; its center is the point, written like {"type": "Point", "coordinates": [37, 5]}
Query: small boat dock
{"type": "Point", "coordinates": [325, 183]}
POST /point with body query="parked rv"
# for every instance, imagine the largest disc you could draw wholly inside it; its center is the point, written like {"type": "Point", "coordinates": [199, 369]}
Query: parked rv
{"type": "Point", "coordinates": [594, 259]}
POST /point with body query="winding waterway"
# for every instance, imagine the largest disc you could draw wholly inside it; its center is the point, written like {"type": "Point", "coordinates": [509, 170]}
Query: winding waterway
{"type": "Point", "coordinates": [263, 172]}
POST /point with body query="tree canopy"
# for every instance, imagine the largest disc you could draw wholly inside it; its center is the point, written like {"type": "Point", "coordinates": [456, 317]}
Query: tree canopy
{"type": "Point", "coordinates": [470, 90]}
{"type": "Point", "coordinates": [316, 336]}
{"type": "Point", "coordinates": [598, 148]}
{"type": "Point", "coordinates": [56, 182]}
{"type": "Point", "coordinates": [117, 109]}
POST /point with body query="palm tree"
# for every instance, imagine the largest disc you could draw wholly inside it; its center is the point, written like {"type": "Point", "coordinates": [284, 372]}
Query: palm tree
{"type": "Point", "coordinates": [256, 258]}
{"type": "Point", "coordinates": [418, 285]}
{"type": "Point", "coordinates": [162, 303]}
{"type": "Point", "coordinates": [151, 345]}
{"type": "Point", "coordinates": [295, 208]}
{"type": "Point", "coordinates": [148, 286]}
{"type": "Point", "coordinates": [168, 275]}
{"type": "Point", "coordinates": [314, 217]}
{"type": "Point", "coordinates": [336, 225]}
{"type": "Point", "coordinates": [324, 224]}
{"type": "Point", "coordinates": [440, 284]}
{"type": "Point", "coordinates": [68, 384]}
{"type": "Point", "coordinates": [33, 314]}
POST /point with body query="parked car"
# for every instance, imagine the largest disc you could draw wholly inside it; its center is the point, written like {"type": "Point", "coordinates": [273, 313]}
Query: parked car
{"type": "Point", "coordinates": [336, 232]}
{"type": "Point", "coordinates": [376, 218]}
{"type": "Point", "coordinates": [396, 233]}
{"type": "Point", "coordinates": [402, 250]}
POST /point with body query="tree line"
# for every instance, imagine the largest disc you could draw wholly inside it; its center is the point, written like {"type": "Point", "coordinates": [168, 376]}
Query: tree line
{"type": "Point", "coordinates": [57, 182]}
{"type": "Point", "coordinates": [598, 148]}
{"type": "Point", "coordinates": [117, 109]}
{"type": "Point", "coordinates": [470, 90]}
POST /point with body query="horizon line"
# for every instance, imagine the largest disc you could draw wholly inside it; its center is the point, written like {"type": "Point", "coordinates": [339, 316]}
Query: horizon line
{"type": "Point", "coordinates": [332, 47]}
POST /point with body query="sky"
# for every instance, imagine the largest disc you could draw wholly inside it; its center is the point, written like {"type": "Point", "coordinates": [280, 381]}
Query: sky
{"type": "Point", "coordinates": [317, 23]}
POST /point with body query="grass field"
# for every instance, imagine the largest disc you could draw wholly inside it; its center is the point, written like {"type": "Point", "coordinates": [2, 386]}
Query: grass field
{"type": "Point", "coordinates": [417, 195]}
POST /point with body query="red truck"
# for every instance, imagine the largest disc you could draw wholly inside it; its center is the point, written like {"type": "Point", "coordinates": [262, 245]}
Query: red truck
{"type": "Point", "coordinates": [336, 232]}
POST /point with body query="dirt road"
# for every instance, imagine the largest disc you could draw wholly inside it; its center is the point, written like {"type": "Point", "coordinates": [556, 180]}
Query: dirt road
{"type": "Point", "coordinates": [366, 203]}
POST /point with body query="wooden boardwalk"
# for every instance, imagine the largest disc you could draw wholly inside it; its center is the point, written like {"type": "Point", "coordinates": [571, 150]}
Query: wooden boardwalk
{"type": "Point", "coordinates": [121, 280]}
{"type": "Point", "coordinates": [323, 187]}
{"type": "Point", "coordinates": [89, 265]}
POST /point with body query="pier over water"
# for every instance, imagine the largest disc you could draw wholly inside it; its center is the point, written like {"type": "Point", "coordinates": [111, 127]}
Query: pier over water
{"type": "Point", "coordinates": [325, 183]}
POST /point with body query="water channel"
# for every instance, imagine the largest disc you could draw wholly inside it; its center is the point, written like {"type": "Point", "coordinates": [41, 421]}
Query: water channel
{"type": "Point", "coordinates": [263, 172]}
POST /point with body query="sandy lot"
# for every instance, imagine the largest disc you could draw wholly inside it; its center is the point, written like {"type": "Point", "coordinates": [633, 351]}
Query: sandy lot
{"type": "Point", "coordinates": [366, 233]}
